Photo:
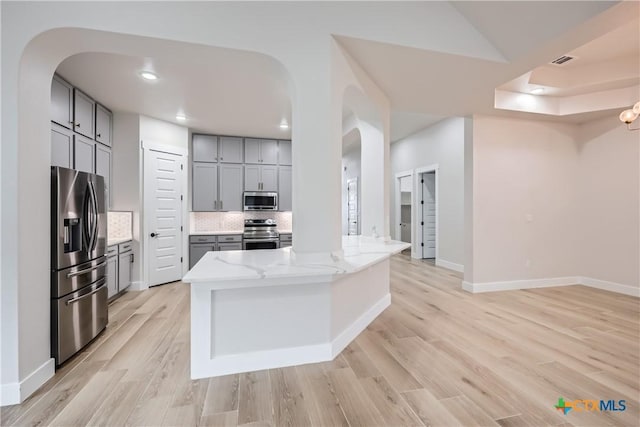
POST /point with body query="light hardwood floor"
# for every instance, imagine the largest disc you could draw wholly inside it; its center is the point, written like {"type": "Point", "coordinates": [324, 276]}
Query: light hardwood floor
{"type": "Point", "coordinates": [437, 356]}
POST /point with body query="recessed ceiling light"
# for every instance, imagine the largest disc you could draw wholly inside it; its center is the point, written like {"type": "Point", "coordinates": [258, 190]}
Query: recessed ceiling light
{"type": "Point", "coordinates": [181, 117]}
{"type": "Point", "coordinates": [148, 75]}
{"type": "Point", "coordinates": [284, 124]}
{"type": "Point", "coordinates": [537, 91]}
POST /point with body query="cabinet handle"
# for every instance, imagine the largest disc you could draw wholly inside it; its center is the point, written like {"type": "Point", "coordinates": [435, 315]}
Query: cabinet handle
{"type": "Point", "coordinates": [215, 204]}
{"type": "Point", "coordinates": [99, 136]}
{"type": "Point", "coordinates": [220, 204]}
{"type": "Point", "coordinates": [77, 125]}
{"type": "Point", "coordinates": [221, 158]}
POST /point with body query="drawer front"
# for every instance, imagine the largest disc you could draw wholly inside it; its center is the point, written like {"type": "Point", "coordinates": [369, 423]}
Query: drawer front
{"type": "Point", "coordinates": [112, 251]}
{"type": "Point", "coordinates": [202, 239]}
{"type": "Point", "coordinates": [230, 246]}
{"type": "Point", "coordinates": [286, 237]}
{"type": "Point", "coordinates": [227, 238]}
{"type": "Point", "coordinates": [123, 247]}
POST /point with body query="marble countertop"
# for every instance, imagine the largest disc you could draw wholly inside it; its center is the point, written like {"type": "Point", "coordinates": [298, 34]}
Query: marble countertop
{"type": "Point", "coordinates": [228, 232]}
{"type": "Point", "coordinates": [117, 240]}
{"type": "Point", "coordinates": [232, 269]}
{"type": "Point", "coordinates": [215, 233]}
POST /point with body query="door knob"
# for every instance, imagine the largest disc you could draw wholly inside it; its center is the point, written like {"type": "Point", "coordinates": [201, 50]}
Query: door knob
{"type": "Point", "coordinates": [153, 234]}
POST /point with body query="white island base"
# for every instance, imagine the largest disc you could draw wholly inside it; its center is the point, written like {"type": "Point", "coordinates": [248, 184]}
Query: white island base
{"type": "Point", "coordinates": [253, 310]}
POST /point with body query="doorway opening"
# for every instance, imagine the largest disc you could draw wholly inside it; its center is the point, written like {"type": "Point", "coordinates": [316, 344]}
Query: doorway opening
{"type": "Point", "coordinates": [428, 214]}
{"type": "Point", "coordinates": [404, 214]}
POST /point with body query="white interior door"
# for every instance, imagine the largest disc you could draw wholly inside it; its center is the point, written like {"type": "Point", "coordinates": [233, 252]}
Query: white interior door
{"type": "Point", "coordinates": [163, 216]}
{"type": "Point", "coordinates": [353, 221]}
{"type": "Point", "coordinates": [429, 215]}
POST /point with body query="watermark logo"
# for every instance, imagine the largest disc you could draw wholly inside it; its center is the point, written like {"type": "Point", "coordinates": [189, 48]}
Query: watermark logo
{"type": "Point", "coordinates": [590, 405]}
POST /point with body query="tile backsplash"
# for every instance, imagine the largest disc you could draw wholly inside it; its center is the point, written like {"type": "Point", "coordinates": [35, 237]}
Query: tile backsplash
{"type": "Point", "coordinates": [119, 224]}
{"type": "Point", "coordinates": [232, 221]}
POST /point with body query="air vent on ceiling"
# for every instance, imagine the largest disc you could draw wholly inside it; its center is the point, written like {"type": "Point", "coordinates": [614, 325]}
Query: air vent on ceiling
{"type": "Point", "coordinates": [563, 60]}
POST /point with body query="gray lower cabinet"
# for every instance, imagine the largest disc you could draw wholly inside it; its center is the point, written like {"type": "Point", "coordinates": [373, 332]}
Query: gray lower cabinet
{"type": "Point", "coordinates": [125, 261]}
{"type": "Point", "coordinates": [198, 250]}
{"type": "Point", "coordinates": [284, 188]}
{"type": "Point", "coordinates": [119, 262]}
{"type": "Point", "coordinates": [285, 240]}
{"type": "Point", "coordinates": [61, 146]}
{"type": "Point", "coordinates": [112, 273]}
{"type": "Point", "coordinates": [199, 245]}
{"type": "Point", "coordinates": [83, 154]}
{"type": "Point", "coordinates": [230, 246]}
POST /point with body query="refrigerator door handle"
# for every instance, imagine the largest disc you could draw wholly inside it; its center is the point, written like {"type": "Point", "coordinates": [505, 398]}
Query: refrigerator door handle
{"type": "Point", "coordinates": [86, 230]}
{"type": "Point", "coordinates": [86, 270]}
{"type": "Point", "coordinates": [94, 217]}
{"type": "Point", "coordinates": [72, 300]}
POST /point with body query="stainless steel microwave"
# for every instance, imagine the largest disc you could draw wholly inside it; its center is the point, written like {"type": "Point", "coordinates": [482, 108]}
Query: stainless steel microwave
{"type": "Point", "coordinates": [260, 201]}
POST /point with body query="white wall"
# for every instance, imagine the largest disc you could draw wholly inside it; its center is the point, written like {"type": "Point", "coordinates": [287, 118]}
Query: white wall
{"type": "Point", "coordinates": [350, 169]}
{"type": "Point", "coordinates": [161, 132]}
{"type": "Point", "coordinates": [442, 144]}
{"type": "Point", "coordinates": [127, 177]}
{"type": "Point", "coordinates": [609, 202]}
{"type": "Point", "coordinates": [555, 200]}
{"type": "Point", "coordinates": [525, 175]}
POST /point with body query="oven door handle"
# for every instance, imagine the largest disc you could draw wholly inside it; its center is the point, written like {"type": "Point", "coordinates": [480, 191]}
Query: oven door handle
{"type": "Point", "coordinates": [261, 240]}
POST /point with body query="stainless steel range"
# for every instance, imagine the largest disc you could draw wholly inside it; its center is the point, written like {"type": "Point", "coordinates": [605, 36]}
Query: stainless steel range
{"type": "Point", "coordinates": [260, 234]}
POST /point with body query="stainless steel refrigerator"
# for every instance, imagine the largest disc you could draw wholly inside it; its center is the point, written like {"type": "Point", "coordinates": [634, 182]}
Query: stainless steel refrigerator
{"type": "Point", "coordinates": [78, 260]}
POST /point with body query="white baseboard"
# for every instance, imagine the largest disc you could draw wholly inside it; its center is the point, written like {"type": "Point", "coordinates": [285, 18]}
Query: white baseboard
{"type": "Point", "coordinates": [450, 265]}
{"type": "Point", "coordinates": [259, 360]}
{"type": "Point", "coordinates": [352, 331]}
{"type": "Point", "coordinates": [138, 286]}
{"type": "Point", "coordinates": [14, 393]}
{"type": "Point", "coordinates": [610, 286]}
{"type": "Point", "coordinates": [512, 285]}
{"type": "Point", "coordinates": [546, 283]}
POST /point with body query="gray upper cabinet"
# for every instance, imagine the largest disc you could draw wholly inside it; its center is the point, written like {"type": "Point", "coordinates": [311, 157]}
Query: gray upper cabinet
{"type": "Point", "coordinates": [104, 120]}
{"type": "Point", "coordinates": [61, 146]}
{"type": "Point", "coordinates": [260, 151]}
{"type": "Point", "coordinates": [230, 149]}
{"type": "Point", "coordinates": [252, 150]}
{"type": "Point", "coordinates": [230, 197]}
{"type": "Point", "coordinates": [103, 168]}
{"type": "Point", "coordinates": [205, 148]}
{"type": "Point", "coordinates": [284, 188]}
{"type": "Point", "coordinates": [83, 114]}
{"type": "Point", "coordinates": [269, 152]}
{"type": "Point", "coordinates": [284, 153]}
{"type": "Point", "coordinates": [205, 187]}
{"type": "Point", "coordinates": [83, 154]}
{"type": "Point", "coordinates": [269, 178]}
{"type": "Point", "coordinates": [61, 102]}
{"type": "Point", "coordinates": [260, 178]}
{"type": "Point", "coordinates": [252, 178]}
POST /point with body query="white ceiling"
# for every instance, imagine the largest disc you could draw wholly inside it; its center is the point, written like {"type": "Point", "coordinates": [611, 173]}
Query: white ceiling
{"type": "Point", "coordinates": [227, 92]}
{"type": "Point", "coordinates": [239, 93]}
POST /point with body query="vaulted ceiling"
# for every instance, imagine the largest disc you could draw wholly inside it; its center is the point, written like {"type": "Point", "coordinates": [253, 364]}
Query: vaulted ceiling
{"type": "Point", "coordinates": [432, 59]}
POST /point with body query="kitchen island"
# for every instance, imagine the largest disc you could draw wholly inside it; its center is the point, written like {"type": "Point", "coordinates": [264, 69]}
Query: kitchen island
{"type": "Point", "coordinates": [262, 309]}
